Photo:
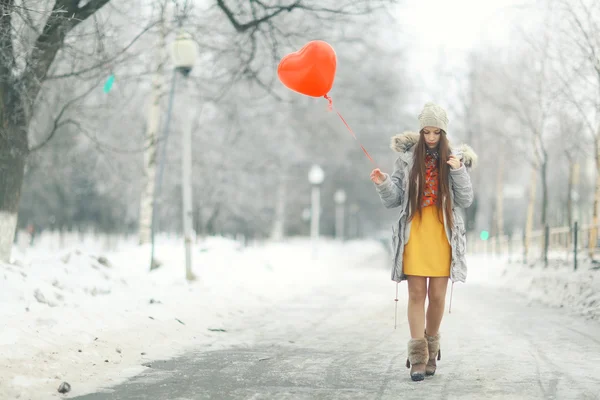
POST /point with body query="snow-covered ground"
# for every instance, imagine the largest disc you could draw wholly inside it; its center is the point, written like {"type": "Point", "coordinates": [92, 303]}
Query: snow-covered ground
{"type": "Point", "coordinates": [558, 285]}
{"type": "Point", "coordinates": [92, 317]}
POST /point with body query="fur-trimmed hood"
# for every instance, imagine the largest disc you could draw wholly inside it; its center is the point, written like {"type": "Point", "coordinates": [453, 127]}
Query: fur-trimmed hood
{"type": "Point", "coordinates": [404, 143]}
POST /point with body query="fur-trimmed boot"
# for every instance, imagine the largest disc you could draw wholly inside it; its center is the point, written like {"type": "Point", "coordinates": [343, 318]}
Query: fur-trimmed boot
{"type": "Point", "coordinates": [433, 343]}
{"type": "Point", "coordinates": [418, 355]}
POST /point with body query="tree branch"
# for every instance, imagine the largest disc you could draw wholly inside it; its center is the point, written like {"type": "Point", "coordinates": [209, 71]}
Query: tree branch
{"type": "Point", "coordinates": [586, 36]}
{"type": "Point", "coordinates": [64, 17]}
{"type": "Point", "coordinates": [257, 20]}
{"type": "Point", "coordinates": [6, 45]}
{"type": "Point", "coordinates": [104, 146]}
{"type": "Point", "coordinates": [299, 5]}
{"type": "Point", "coordinates": [104, 62]}
{"type": "Point", "coordinates": [57, 121]}
{"type": "Point", "coordinates": [7, 59]}
{"type": "Point", "coordinates": [568, 91]}
{"type": "Point", "coordinates": [240, 27]}
{"type": "Point", "coordinates": [10, 112]}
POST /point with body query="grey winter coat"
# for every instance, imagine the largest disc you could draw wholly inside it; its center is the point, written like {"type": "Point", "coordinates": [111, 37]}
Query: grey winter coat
{"type": "Point", "coordinates": [393, 190]}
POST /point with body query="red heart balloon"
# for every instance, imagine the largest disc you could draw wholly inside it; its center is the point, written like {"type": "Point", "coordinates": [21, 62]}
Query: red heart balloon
{"type": "Point", "coordinates": [309, 71]}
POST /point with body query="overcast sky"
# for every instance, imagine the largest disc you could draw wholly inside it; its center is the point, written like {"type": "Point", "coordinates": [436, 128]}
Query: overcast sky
{"type": "Point", "coordinates": [443, 31]}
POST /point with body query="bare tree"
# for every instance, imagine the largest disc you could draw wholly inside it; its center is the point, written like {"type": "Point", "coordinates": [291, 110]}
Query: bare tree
{"type": "Point", "coordinates": [19, 90]}
{"type": "Point", "coordinates": [579, 32]}
{"type": "Point", "coordinates": [530, 95]}
{"type": "Point", "coordinates": [466, 107]}
{"type": "Point", "coordinates": [568, 125]}
{"type": "Point", "coordinates": [147, 196]}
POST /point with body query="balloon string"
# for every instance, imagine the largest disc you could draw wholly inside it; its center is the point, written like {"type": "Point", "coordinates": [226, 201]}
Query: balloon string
{"type": "Point", "coordinates": [330, 106]}
{"type": "Point", "coordinates": [330, 102]}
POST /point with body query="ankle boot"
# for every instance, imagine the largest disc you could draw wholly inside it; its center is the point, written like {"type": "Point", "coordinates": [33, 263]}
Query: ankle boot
{"type": "Point", "coordinates": [418, 355]}
{"type": "Point", "coordinates": [433, 344]}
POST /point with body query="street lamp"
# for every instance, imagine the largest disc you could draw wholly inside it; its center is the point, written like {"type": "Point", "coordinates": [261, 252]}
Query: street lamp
{"type": "Point", "coordinates": [315, 177]}
{"type": "Point", "coordinates": [340, 201]}
{"type": "Point", "coordinates": [184, 55]}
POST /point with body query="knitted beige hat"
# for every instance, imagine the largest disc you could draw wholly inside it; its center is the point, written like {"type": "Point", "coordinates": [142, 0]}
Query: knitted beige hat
{"type": "Point", "coordinates": [433, 115]}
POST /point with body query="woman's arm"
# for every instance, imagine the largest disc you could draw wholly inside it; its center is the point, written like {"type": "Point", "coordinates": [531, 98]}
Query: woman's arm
{"type": "Point", "coordinates": [391, 190]}
{"type": "Point", "coordinates": [462, 187]}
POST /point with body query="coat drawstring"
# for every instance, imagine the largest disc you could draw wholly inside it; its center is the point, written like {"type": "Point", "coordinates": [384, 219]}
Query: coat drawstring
{"type": "Point", "coordinates": [396, 300]}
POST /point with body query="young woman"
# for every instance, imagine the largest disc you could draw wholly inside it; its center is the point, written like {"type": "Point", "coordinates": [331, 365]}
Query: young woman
{"type": "Point", "coordinates": [430, 180]}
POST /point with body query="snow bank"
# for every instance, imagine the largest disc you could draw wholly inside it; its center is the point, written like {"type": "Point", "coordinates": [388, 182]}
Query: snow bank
{"type": "Point", "coordinates": [557, 285]}
{"type": "Point", "coordinates": [94, 319]}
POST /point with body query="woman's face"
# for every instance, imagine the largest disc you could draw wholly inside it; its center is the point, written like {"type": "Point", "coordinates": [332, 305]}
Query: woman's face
{"type": "Point", "coordinates": [432, 136]}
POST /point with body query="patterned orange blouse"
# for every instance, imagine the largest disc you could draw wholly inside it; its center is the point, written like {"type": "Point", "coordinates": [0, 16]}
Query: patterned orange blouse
{"type": "Point", "coordinates": [431, 181]}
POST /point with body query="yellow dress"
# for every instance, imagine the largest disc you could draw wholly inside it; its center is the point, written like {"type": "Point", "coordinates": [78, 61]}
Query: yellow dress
{"type": "Point", "coordinates": [428, 252]}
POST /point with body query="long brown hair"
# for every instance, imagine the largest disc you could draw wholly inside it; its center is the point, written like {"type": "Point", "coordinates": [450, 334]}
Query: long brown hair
{"type": "Point", "coordinates": [417, 179]}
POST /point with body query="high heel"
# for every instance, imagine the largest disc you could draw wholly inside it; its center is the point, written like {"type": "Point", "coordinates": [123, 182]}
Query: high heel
{"type": "Point", "coordinates": [433, 347]}
{"type": "Point", "coordinates": [418, 355]}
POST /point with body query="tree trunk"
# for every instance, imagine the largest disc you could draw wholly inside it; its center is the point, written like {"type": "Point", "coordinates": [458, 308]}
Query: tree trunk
{"type": "Point", "coordinates": [576, 192]}
{"type": "Point", "coordinates": [14, 149]}
{"type": "Point", "coordinates": [198, 223]}
{"type": "Point", "coordinates": [544, 174]}
{"type": "Point", "coordinates": [499, 199]}
{"type": "Point", "coordinates": [570, 191]}
{"type": "Point", "coordinates": [278, 230]}
{"type": "Point", "coordinates": [594, 227]}
{"type": "Point", "coordinates": [150, 142]}
{"type": "Point", "coordinates": [530, 212]}
{"type": "Point", "coordinates": [211, 228]}
{"type": "Point", "coordinates": [570, 196]}
{"type": "Point", "coordinates": [12, 168]}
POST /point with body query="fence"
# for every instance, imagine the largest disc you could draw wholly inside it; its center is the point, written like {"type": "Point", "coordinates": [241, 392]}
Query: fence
{"type": "Point", "coordinates": [570, 244]}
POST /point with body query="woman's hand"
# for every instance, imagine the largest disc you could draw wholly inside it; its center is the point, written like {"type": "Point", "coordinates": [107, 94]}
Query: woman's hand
{"type": "Point", "coordinates": [454, 162]}
{"type": "Point", "coordinates": [377, 176]}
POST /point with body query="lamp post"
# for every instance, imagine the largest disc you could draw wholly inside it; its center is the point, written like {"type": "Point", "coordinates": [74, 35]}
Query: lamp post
{"type": "Point", "coordinates": [315, 177]}
{"type": "Point", "coordinates": [340, 201]}
{"type": "Point", "coordinates": [184, 55]}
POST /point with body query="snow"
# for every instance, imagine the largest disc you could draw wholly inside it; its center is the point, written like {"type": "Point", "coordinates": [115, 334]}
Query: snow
{"type": "Point", "coordinates": [70, 317]}
{"type": "Point", "coordinates": [93, 317]}
{"type": "Point", "coordinates": [558, 285]}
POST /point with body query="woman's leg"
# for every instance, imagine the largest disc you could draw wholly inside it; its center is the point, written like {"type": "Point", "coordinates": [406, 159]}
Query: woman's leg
{"type": "Point", "coordinates": [417, 291]}
{"type": "Point", "coordinates": [418, 354]}
{"type": "Point", "coordinates": [437, 300]}
{"type": "Point", "coordinates": [435, 312]}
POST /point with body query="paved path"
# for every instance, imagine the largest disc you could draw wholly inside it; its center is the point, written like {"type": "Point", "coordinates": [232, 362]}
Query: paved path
{"type": "Point", "coordinates": [495, 345]}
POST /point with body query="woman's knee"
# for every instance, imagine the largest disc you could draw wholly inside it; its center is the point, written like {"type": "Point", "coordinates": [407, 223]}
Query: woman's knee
{"type": "Point", "coordinates": [436, 292]}
{"type": "Point", "coordinates": [436, 295]}
{"type": "Point", "coordinates": [417, 289]}
{"type": "Point", "coordinates": [436, 298]}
